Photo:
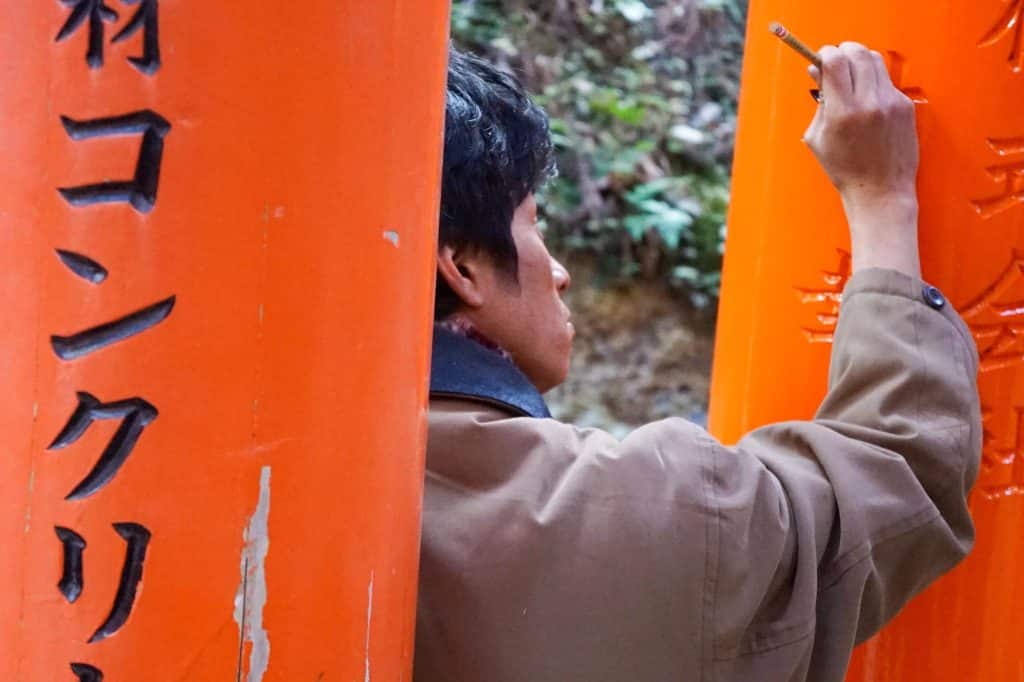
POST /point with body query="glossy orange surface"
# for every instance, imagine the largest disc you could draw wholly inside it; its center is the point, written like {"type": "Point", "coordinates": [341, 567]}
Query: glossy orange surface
{"type": "Point", "coordinates": [294, 225]}
{"type": "Point", "coordinates": [786, 261]}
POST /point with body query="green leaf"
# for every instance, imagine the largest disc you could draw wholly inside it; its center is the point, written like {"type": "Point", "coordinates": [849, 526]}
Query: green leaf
{"type": "Point", "coordinates": [686, 273]}
{"type": "Point", "coordinates": [637, 226]}
{"type": "Point", "coordinates": [649, 190]}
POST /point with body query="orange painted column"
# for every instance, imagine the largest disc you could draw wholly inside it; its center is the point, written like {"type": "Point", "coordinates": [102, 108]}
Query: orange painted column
{"type": "Point", "coordinates": [787, 260]}
{"type": "Point", "coordinates": [217, 227]}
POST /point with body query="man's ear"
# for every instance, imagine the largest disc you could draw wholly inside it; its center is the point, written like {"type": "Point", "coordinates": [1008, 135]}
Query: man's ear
{"type": "Point", "coordinates": [463, 272]}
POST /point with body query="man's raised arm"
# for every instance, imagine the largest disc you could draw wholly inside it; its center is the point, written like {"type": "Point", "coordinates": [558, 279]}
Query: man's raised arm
{"type": "Point", "coordinates": [846, 517]}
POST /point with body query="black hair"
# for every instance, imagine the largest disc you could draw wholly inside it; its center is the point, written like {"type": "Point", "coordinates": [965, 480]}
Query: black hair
{"type": "Point", "coordinates": [497, 150]}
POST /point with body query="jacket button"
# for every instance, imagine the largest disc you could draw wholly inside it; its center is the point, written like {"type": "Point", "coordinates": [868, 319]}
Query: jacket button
{"type": "Point", "coordinates": [934, 297]}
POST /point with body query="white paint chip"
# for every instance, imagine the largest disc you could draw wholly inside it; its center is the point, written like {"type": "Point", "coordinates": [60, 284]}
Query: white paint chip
{"type": "Point", "coordinates": [251, 596]}
{"type": "Point", "coordinates": [28, 507]}
{"type": "Point", "coordinates": [392, 237]}
{"type": "Point", "coordinates": [369, 618]}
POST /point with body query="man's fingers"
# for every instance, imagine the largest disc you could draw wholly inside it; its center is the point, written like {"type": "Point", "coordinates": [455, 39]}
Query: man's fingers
{"type": "Point", "coordinates": [881, 70]}
{"type": "Point", "coordinates": [886, 89]}
{"type": "Point", "coordinates": [836, 77]}
{"type": "Point", "coordinates": [815, 73]}
{"type": "Point", "coordinates": [862, 66]}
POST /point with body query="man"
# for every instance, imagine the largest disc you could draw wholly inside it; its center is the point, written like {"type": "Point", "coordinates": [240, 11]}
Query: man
{"type": "Point", "coordinates": [552, 553]}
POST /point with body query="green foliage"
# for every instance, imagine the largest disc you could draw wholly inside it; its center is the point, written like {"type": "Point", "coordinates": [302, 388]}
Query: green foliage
{"type": "Point", "coordinates": [642, 98]}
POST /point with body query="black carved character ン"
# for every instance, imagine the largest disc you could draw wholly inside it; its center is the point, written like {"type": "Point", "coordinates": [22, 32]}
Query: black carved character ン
{"type": "Point", "coordinates": [145, 18]}
{"type": "Point", "coordinates": [137, 537]}
{"type": "Point", "coordinates": [102, 335]}
{"type": "Point", "coordinates": [135, 414]}
{"type": "Point", "coordinates": [96, 12]}
{"type": "Point", "coordinates": [83, 266]}
{"type": "Point", "coordinates": [141, 190]}
{"type": "Point", "coordinates": [93, 339]}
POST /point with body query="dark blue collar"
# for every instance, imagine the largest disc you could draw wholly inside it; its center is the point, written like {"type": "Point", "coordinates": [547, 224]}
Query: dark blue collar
{"type": "Point", "coordinates": [463, 368]}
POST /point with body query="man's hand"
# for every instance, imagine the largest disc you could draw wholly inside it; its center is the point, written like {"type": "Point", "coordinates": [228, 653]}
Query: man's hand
{"type": "Point", "coordinates": [864, 135]}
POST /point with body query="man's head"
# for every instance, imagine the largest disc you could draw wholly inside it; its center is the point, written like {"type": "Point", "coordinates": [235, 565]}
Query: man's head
{"type": "Point", "coordinates": [493, 269]}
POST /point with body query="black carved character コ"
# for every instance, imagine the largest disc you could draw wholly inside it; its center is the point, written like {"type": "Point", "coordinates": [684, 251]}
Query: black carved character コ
{"type": "Point", "coordinates": [141, 190]}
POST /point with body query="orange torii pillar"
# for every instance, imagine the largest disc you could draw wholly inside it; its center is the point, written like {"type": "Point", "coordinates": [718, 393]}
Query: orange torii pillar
{"type": "Point", "coordinates": [787, 260]}
{"type": "Point", "coordinates": [217, 227]}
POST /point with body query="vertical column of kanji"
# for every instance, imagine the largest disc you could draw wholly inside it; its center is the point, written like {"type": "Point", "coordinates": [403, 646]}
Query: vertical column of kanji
{"type": "Point", "coordinates": [87, 329]}
{"type": "Point", "coordinates": [221, 221]}
{"type": "Point", "coordinates": [787, 261]}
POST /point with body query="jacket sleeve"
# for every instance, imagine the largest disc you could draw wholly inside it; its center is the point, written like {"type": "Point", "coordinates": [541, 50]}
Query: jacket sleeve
{"type": "Point", "coordinates": [555, 553]}
{"type": "Point", "coordinates": [840, 520]}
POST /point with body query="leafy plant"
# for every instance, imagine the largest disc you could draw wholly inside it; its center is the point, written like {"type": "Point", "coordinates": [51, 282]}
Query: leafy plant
{"type": "Point", "coordinates": [642, 99]}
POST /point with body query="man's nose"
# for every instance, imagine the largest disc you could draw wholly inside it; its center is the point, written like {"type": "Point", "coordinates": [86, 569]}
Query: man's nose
{"type": "Point", "coordinates": [561, 275]}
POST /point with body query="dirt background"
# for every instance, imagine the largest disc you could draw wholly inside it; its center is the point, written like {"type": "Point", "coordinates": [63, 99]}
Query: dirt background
{"type": "Point", "coordinates": [642, 353]}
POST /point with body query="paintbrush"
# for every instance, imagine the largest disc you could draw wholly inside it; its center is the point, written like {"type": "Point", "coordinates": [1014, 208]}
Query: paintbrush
{"type": "Point", "coordinates": [801, 48]}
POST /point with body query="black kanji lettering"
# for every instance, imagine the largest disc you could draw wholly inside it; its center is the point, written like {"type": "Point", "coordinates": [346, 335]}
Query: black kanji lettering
{"type": "Point", "coordinates": [96, 12]}
{"type": "Point", "coordinates": [135, 414]}
{"type": "Point", "coordinates": [83, 266]}
{"type": "Point", "coordinates": [137, 537]}
{"type": "Point", "coordinates": [86, 672]}
{"type": "Point", "coordinates": [101, 336]}
{"type": "Point", "coordinates": [141, 190]}
{"type": "Point", "coordinates": [70, 584]}
{"type": "Point", "coordinates": [145, 18]}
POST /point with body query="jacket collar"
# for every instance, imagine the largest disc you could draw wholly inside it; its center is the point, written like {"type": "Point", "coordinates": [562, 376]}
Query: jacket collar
{"type": "Point", "coordinates": [463, 368]}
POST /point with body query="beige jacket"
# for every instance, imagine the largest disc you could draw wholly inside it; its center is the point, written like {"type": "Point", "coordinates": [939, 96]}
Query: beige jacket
{"type": "Point", "coordinates": [553, 554]}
